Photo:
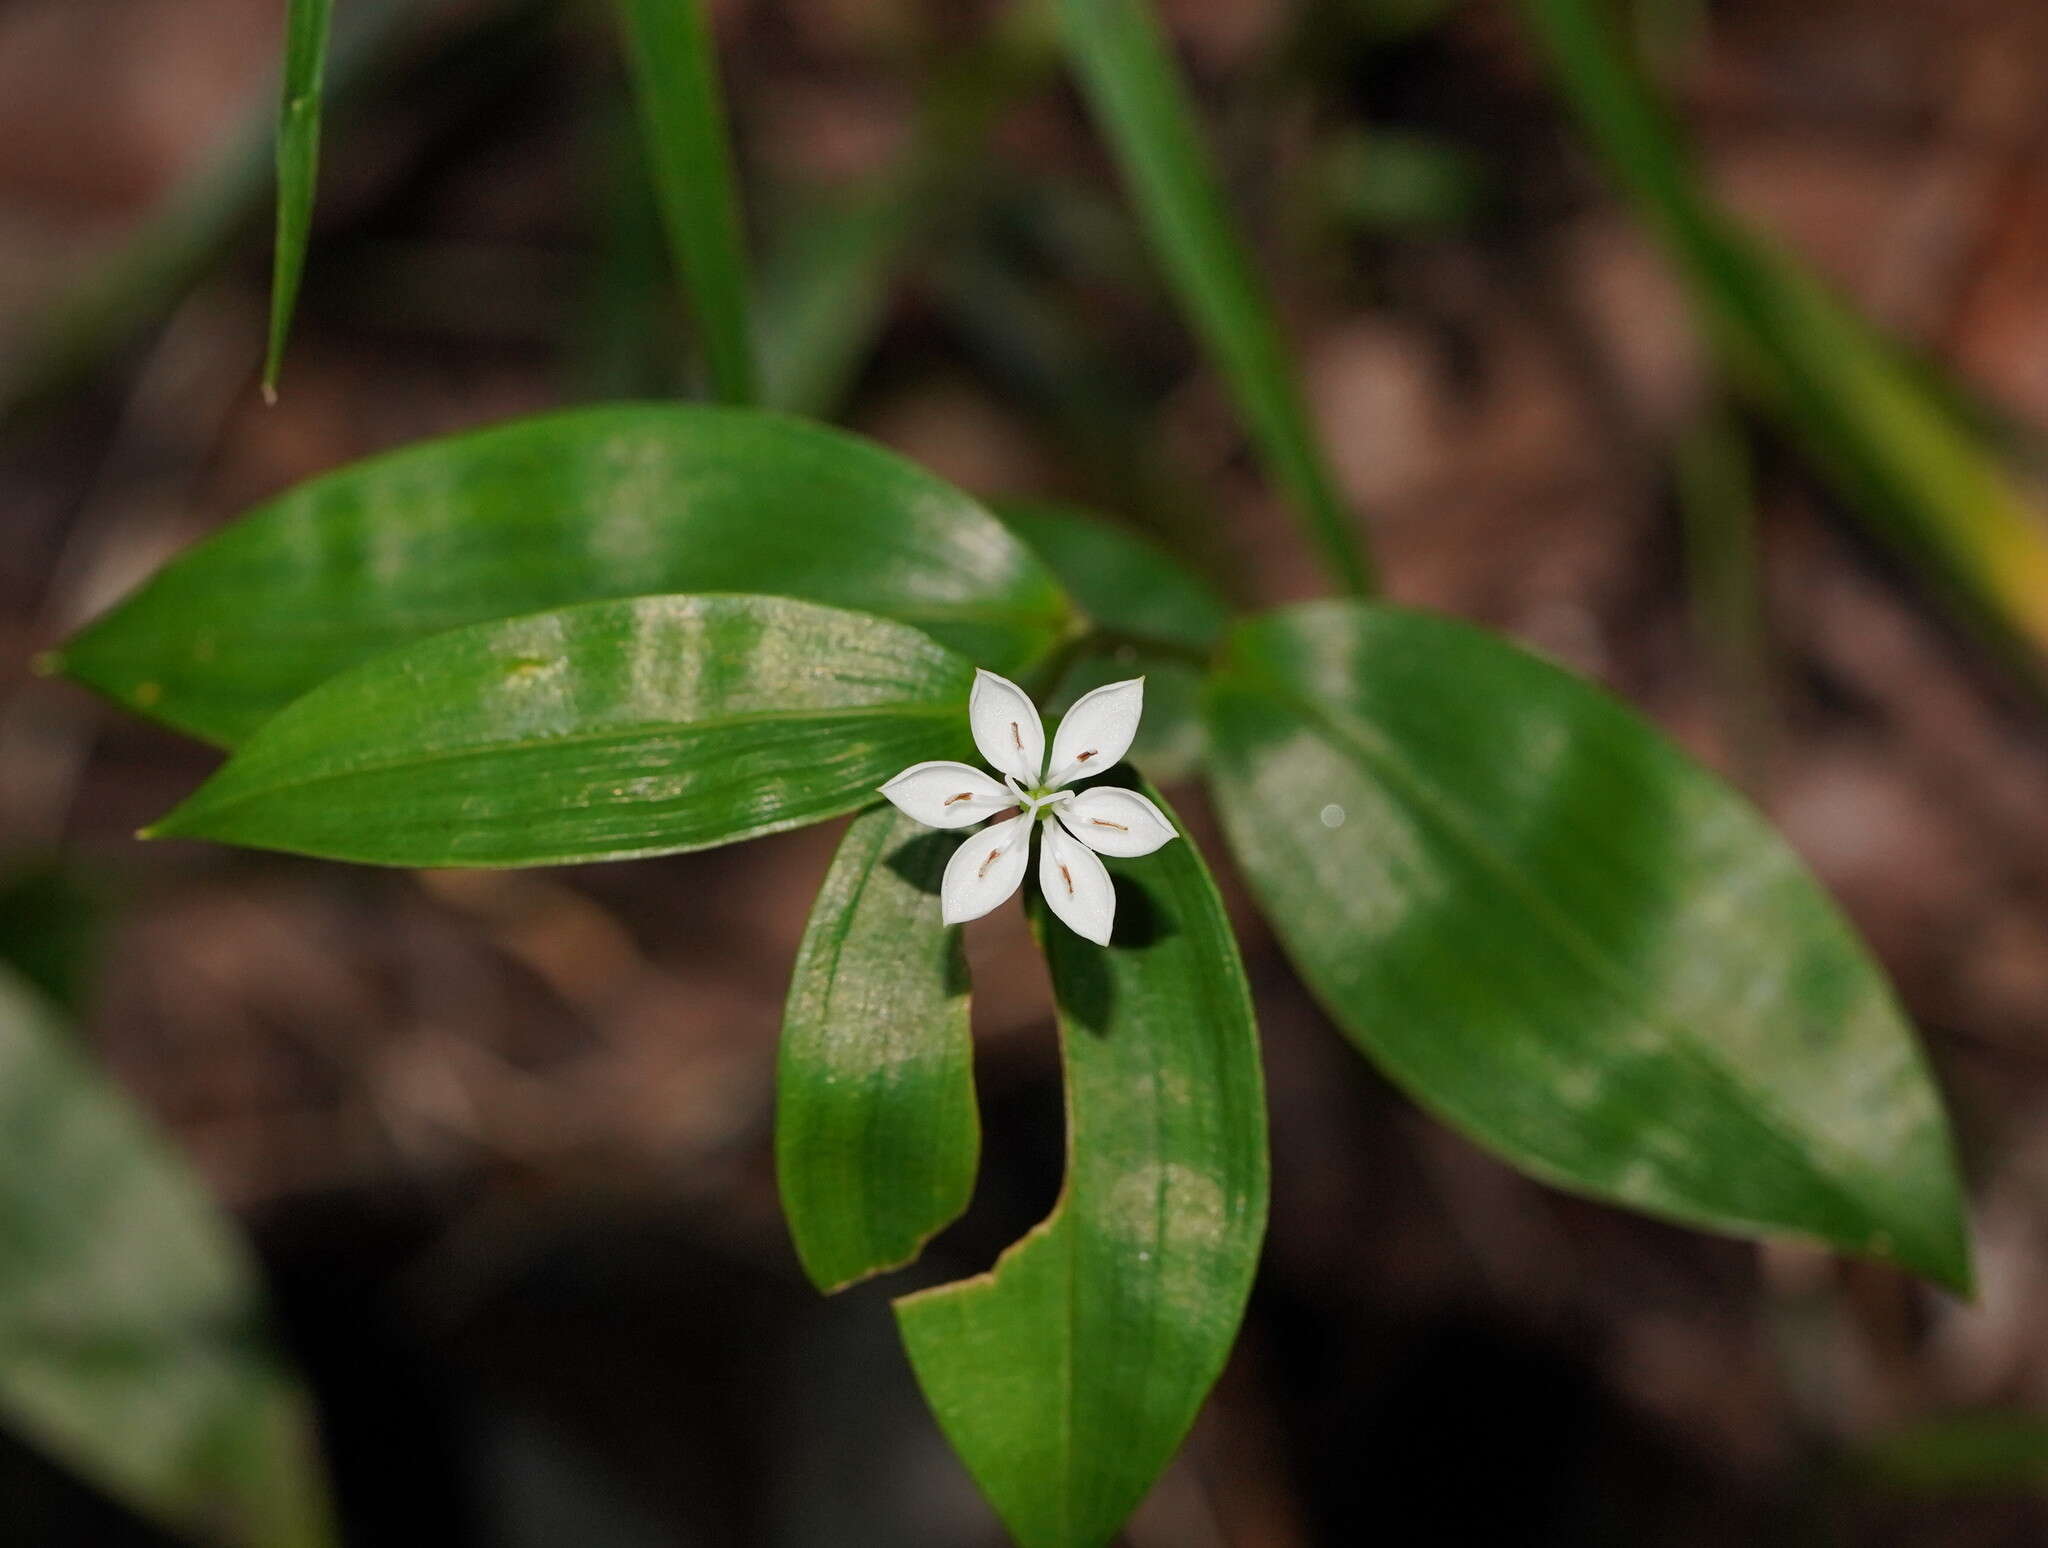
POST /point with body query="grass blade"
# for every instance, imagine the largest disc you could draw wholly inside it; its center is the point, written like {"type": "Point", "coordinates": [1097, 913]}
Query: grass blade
{"type": "Point", "coordinates": [309, 25]}
{"type": "Point", "coordinates": [675, 77]}
{"type": "Point", "coordinates": [1919, 470]}
{"type": "Point", "coordinates": [1143, 106]}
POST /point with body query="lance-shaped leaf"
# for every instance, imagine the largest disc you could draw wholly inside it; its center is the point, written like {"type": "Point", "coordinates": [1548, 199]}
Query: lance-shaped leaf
{"type": "Point", "coordinates": [132, 1345]}
{"type": "Point", "coordinates": [1068, 1375]}
{"type": "Point", "coordinates": [1568, 940]}
{"type": "Point", "coordinates": [876, 1133]}
{"type": "Point", "coordinates": [1152, 616]}
{"type": "Point", "coordinates": [598, 732]}
{"type": "Point", "coordinates": [625, 500]}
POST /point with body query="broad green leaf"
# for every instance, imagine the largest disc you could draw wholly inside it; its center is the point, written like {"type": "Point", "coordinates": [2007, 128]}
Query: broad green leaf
{"type": "Point", "coordinates": [600, 732]}
{"type": "Point", "coordinates": [675, 79]}
{"type": "Point", "coordinates": [1568, 940]}
{"type": "Point", "coordinates": [1138, 95]}
{"type": "Point", "coordinates": [1906, 459]}
{"type": "Point", "coordinates": [876, 1133]}
{"type": "Point", "coordinates": [1067, 1376]}
{"type": "Point", "coordinates": [618, 501]}
{"type": "Point", "coordinates": [1152, 617]}
{"type": "Point", "coordinates": [308, 24]}
{"type": "Point", "coordinates": [132, 1340]}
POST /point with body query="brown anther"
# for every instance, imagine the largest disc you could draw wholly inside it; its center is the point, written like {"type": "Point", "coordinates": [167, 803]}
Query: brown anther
{"type": "Point", "coordinates": [1101, 822]}
{"type": "Point", "coordinates": [1084, 757]}
{"type": "Point", "coordinates": [1067, 877]}
{"type": "Point", "coordinates": [1016, 736]}
{"type": "Point", "coordinates": [993, 856]}
{"type": "Point", "coordinates": [965, 795]}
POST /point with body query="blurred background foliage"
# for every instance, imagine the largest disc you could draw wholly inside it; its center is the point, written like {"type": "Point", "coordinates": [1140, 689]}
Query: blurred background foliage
{"type": "Point", "coordinates": [1700, 346]}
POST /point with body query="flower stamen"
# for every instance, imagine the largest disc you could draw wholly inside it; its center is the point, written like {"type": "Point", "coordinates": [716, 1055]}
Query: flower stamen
{"type": "Point", "coordinates": [993, 856]}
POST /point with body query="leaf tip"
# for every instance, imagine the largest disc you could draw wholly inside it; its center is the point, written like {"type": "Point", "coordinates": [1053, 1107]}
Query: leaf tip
{"type": "Point", "coordinates": [47, 663]}
{"type": "Point", "coordinates": [270, 390]}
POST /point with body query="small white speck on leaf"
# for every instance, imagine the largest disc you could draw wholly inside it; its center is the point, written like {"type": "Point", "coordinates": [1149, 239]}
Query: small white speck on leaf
{"type": "Point", "coordinates": [1333, 816]}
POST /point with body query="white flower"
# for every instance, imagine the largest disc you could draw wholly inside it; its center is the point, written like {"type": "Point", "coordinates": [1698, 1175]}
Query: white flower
{"type": "Point", "coordinates": [985, 870]}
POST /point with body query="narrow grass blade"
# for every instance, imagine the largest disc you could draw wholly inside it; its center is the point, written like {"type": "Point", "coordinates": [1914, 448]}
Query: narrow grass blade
{"type": "Point", "coordinates": [1143, 106]}
{"type": "Point", "coordinates": [670, 50]}
{"type": "Point", "coordinates": [1922, 473]}
{"type": "Point", "coordinates": [176, 244]}
{"type": "Point", "coordinates": [309, 25]}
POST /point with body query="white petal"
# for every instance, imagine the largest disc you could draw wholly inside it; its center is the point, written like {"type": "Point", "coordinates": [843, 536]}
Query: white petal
{"type": "Point", "coordinates": [947, 795]}
{"type": "Point", "coordinates": [1097, 730]}
{"type": "Point", "coordinates": [1076, 885]}
{"type": "Point", "coordinates": [985, 870]}
{"type": "Point", "coordinates": [1111, 821]}
{"type": "Point", "coordinates": [1006, 727]}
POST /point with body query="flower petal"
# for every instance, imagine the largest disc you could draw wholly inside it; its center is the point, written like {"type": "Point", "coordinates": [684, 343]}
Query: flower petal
{"type": "Point", "coordinates": [1097, 731]}
{"type": "Point", "coordinates": [1075, 885]}
{"type": "Point", "coordinates": [1006, 727]}
{"type": "Point", "coordinates": [1112, 821]}
{"type": "Point", "coordinates": [946, 795]}
{"type": "Point", "coordinates": [985, 870]}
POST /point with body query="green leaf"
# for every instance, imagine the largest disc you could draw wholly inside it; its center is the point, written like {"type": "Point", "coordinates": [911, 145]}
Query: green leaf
{"type": "Point", "coordinates": [607, 502]}
{"type": "Point", "coordinates": [308, 25]}
{"type": "Point", "coordinates": [876, 1133]}
{"type": "Point", "coordinates": [675, 78]}
{"type": "Point", "coordinates": [1569, 941]}
{"type": "Point", "coordinates": [1142, 103]}
{"type": "Point", "coordinates": [1152, 617]}
{"type": "Point", "coordinates": [1067, 1376]}
{"type": "Point", "coordinates": [1126, 584]}
{"type": "Point", "coordinates": [600, 732]}
{"type": "Point", "coordinates": [132, 1338]}
{"type": "Point", "coordinates": [1920, 472]}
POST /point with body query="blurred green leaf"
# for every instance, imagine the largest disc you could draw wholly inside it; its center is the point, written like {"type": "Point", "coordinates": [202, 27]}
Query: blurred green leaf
{"type": "Point", "coordinates": [1983, 1453]}
{"type": "Point", "coordinates": [605, 502]}
{"type": "Point", "coordinates": [876, 1133]}
{"type": "Point", "coordinates": [1153, 618]}
{"type": "Point", "coordinates": [132, 1338]}
{"type": "Point", "coordinates": [675, 79]}
{"type": "Point", "coordinates": [1126, 584]}
{"type": "Point", "coordinates": [1569, 941]}
{"type": "Point", "coordinates": [599, 732]}
{"type": "Point", "coordinates": [1143, 106]}
{"type": "Point", "coordinates": [49, 930]}
{"type": "Point", "coordinates": [1402, 181]}
{"type": "Point", "coordinates": [308, 25]}
{"type": "Point", "coordinates": [1067, 1376]}
{"type": "Point", "coordinates": [1922, 474]}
